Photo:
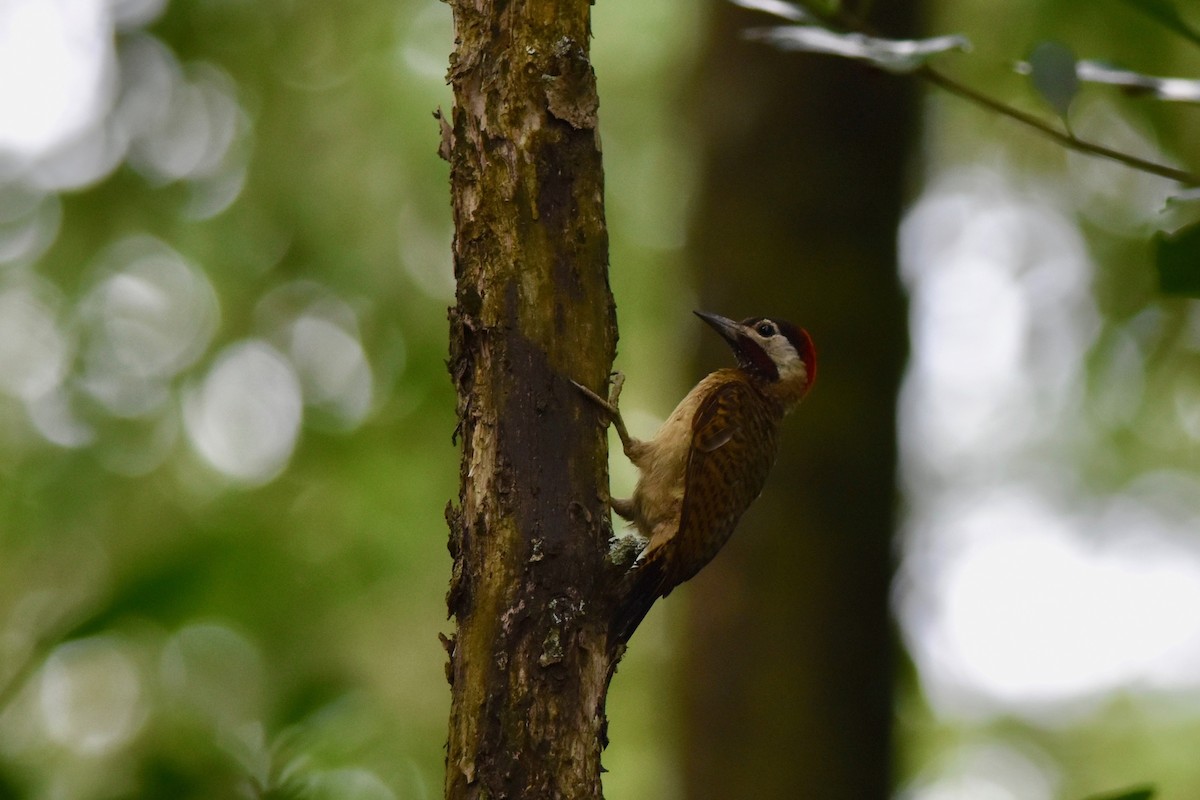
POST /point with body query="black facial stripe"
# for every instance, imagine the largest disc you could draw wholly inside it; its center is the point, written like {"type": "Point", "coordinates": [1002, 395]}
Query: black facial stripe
{"type": "Point", "coordinates": [752, 358]}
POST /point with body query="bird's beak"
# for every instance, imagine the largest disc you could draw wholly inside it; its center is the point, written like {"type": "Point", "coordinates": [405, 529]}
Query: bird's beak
{"type": "Point", "coordinates": [749, 354]}
{"type": "Point", "coordinates": [728, 329]}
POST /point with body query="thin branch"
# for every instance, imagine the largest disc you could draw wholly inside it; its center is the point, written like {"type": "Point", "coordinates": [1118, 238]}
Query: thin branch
{"type": "Point", "coordinates": [1066, 139]}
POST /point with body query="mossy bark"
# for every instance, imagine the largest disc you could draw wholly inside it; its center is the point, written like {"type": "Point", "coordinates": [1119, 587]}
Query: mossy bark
{"type": "Point", "coordinates": [529, 668]}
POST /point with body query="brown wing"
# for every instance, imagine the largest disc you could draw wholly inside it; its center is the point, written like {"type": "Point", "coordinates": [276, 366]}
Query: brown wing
{"type": "Point", "coordinates": [734, 442]}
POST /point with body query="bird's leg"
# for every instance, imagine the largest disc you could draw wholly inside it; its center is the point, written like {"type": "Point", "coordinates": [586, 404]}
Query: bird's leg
{"type": "Point", "coordinates": [614, 413]}
{"type": "Point", "coordinates": [622, 507]}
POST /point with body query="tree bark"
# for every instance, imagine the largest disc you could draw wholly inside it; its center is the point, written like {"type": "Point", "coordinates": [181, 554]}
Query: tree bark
{"type": "Point", "coordinates": [791, 658]}
{"type": "Point", "coordinates": [529, 666]}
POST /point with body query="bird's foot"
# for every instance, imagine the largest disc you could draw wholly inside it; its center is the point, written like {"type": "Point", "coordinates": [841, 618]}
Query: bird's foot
{"type": "Point", "coordinates": [614, 394]}
{"type": "Point", "coordinates": [614, 389]}
{"type": "Point", "coordinates": [610, 406]}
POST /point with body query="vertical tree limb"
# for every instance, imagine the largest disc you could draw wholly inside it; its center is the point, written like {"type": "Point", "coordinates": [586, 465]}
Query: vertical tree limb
{"type": "Point", "coordinates": [528, 667]}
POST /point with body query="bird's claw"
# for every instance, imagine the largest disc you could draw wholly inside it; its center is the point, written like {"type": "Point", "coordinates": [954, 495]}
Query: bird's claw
{"type": "Point", "coordinates": [610, 407]}
{"type": "Point", "coordinates": [614, 389]}
{"type": "Point", "coordinates": [614, 393]}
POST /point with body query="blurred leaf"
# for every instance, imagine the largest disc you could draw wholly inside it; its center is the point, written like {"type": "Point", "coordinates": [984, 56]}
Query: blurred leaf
{"type": "Point", "coordinates": [893, 55]}
{"type": "Point", "coordinates": [1052, 71]}
{"type": "Point", "coordinates": [193, 772]}
{"type": "Point", "coordinates": [777, 8]}
{"type": "Point", "coordinates": [310, 697]}
{"type": "Point", "coordinates": [1137, 793]}
{"type": "Point", "coordinates": [166, 592]}
{"type": "Point", "coordinates": [1177, 90]}
{"type": "Point", "coordinates": [1163, 12]}
{"type": "Point", "coordinates": [1177, 259]}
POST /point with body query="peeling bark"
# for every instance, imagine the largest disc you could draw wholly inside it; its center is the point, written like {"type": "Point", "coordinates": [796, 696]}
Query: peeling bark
{"type": "Point", "coordinates": [529, 667]}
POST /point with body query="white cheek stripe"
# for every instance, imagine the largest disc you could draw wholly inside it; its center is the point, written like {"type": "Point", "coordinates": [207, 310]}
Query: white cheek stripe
{"type": "Point", "coordinates": [786, 359]}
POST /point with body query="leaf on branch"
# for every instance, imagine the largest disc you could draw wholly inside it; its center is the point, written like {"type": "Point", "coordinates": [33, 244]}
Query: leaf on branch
{"type": "Point", "coordinates": [893, 55]}
{"type": "Point", "coordinates": [1164, 13]}
{"type": "Point", "coordinates": [1177, 260]}
{"type": "Point", "coordinates": [1051, 68]}
{"type": "Point", "coordinates": [778, 8]}
{"type": "Point", "coordinates": [1175, 90]}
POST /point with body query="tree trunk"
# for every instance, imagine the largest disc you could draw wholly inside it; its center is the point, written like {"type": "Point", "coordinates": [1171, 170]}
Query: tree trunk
{"type": "Point", "coordinates": [529, 666]}
{"type": "Point", "coordinates": [791, 654]}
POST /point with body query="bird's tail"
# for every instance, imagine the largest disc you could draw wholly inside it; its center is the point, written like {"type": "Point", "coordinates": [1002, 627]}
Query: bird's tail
{"type": "Point", "coordinates": [645, 586]}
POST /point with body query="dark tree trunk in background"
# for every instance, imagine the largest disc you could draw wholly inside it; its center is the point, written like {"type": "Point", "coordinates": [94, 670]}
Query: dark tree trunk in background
{"type": "Point", "coordinates": [529, 666]}
{"type": "Point", "coordinates": [791, 663]}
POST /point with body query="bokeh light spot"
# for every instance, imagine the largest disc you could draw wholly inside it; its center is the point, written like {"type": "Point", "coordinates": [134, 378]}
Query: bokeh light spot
{"type": "Point", "coordinates": [349, 784]}
{"type": "Point", "coordinates": [29, 222]}
{"type": "Point", "coordinates": [34, 351]}
{"type": "Point", "coordinates": [149, 316]}
{"type": "Point", "coordinates": [319, 332]}
{"type": "Point", "coordinates": [215, 672]}
{"type": "Point", "coordinates": [244, 417]}
{"type": "Point", "coordinates": [1020, 592]}
{"type": "Point", "coordinates": [55, 64]}
{"type": "Point", "coordinates": [989, 770]}
{"type": "Point", "coordinates": [333, 369]}
{"type": "Point", "coordinates": [90, 696]}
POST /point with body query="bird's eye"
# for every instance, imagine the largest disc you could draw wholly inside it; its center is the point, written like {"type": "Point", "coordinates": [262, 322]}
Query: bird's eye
{"type": "Point", "coordinates": [765, 329]}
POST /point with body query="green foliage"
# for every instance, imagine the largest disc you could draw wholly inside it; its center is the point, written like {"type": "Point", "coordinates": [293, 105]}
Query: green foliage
{"type": "Point", "coordinates": [159, 589]}
{"type": "Point", "coordinates": [1177, 260]}
{"type": "Point", "coordinates": [143, 566]}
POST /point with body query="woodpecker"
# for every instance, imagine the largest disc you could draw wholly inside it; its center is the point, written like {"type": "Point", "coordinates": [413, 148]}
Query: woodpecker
{"type": "Point", "coordinates": [709, 460]}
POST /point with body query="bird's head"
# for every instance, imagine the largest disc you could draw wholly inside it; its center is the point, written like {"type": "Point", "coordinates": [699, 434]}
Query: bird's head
{"type": "Point", "coordinates": [773, 350]}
